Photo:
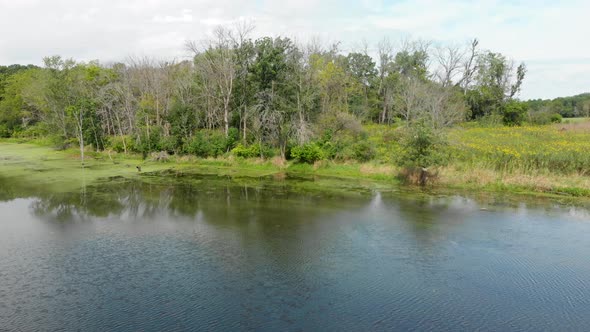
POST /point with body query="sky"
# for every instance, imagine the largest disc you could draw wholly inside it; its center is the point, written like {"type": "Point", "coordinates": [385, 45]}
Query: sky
{"type": "Point", "coordinates": [549, 36]}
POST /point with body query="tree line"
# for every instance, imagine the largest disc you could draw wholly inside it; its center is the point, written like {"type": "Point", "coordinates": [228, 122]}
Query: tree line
{"type": "Point", "coordinates": [258, 96]}
{"type": "Point", "coordinates": [567, 107]}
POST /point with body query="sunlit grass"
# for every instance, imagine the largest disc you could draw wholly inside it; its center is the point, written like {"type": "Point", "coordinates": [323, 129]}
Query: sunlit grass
{"type": "Point", "coordinates": [554, 148]}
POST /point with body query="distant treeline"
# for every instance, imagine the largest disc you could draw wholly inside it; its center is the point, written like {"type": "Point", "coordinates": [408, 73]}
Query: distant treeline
{"type": "Point", "coordinates": [267, 93]}
{"type": "Point", "coordinates": [568, 107]}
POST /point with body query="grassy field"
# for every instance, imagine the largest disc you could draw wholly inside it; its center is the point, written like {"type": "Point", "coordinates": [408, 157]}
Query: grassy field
{"type": "Point", "coordinates": [552, 159]}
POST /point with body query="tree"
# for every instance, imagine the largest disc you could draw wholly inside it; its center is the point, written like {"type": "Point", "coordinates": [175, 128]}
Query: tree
{"type": "Point", "coordinates": [449, 61]}
{"type": "Point", "coordinates": [495, 84]}
{"type": "Point", "coordinates": [217, 63]}
{"type": "Point", "coordinates": [16, 111]}
{"type": "Point", "coordinates": [362, 69]}
{"type": "Point", "coordinates": [274, 74]}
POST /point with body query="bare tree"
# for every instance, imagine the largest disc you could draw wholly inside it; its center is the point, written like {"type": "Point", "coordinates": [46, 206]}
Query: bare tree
{"type": "Point", "coordinates": [410, 99]}
{"type": "Point", "coordinates": [469, 65]}
{"type": "Point", "coordinates": [218, 64]}
{"type": "Point", "coordinates": [449, 60]}
{"type": "Point", "coordinates": [385, 54]}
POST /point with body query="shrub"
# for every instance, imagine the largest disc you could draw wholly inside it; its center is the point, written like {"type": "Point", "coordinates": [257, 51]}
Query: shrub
{"type": "Point", "coordinates": [198, 146]}
{"type": "Point", "coordinates": [36, 131]}
{"type": "Point", "coordinates": [148, 141]}
{"type": "Point", "coordinates": [4, 131]}
{"type": "Point", "coordinates": [514, 113]}
{"type": "Point", "coordinates": [540, 118]}
{"type": "Point", "coordinates": [252, 151]}
{"type": "Point", "coordinates": [246, 152]}
{"type": "Point", "coordinates": [215, 143]}
{"type": "Point", "coordinates": [543, 118]}
{"type": "Point", "coordinates": [233, 137]}
{"type": "Point", "coordinates": [170, 144]}
{"type": "Point", "coordinates": [422, 147]}
{"type": "Point", "coordinates": [118, 143]}
{"type": "Point", "coordinates": [363, 151]}
{"type": "Point", "coordinates": [209, 143]}
{"type": "Point", "coordinates": [307, 153]}
{"type": "Point", "coordinates": [556, 118]}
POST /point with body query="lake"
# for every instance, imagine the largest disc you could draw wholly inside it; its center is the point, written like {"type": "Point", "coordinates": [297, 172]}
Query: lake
{"type": "Point", "coordinates": [215, 253]}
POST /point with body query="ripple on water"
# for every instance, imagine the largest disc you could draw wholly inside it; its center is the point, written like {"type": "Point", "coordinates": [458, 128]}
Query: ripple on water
{"type": "Point", "coordinates": [178, 260]}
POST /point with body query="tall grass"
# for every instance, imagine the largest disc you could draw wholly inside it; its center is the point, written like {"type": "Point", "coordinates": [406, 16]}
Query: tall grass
{"type": "Point", "coordinates": [563, 149]}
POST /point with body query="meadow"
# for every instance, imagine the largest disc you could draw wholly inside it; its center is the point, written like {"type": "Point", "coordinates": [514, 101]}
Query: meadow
{"type": "Point", "coordinates": [552, 159]}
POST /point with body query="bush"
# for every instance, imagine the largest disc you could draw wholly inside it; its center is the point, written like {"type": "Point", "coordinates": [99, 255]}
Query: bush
{"type": "Point", "coordinates": [363, 151]}
{"type": "Point", "coordinates": [252, 151]}
{"type": "Point", "coordinates": [198, 146]}
{"type": "Point", "coordinates": [556, 118]}
{"type": "Point", "coordinates": [543, 118]}
{"type": "Point", "coordinates": [422, 147]}
{"type": "Point", "coordinates": [118, 143]}
{"type": "Point", "coordinates": [514, 113]}
{"type": "Point", "coordinates": [540, 118]}
{"type": "Point", "coordinates": [4, 131]}
{"type": "Point", "coordinates": [36, 131]}
{"type": "Point", "coordinates": [170, 144]}
{"type": "Point", "coordinates": [210, 143]}
{"type": "Point", "coordinates": [233, 137]}
{"type": "Point", "coordinates": [246, 152]}
{"type": "Point", "coordinates": [307, 153]}
{"type": "Point", "coordinates": [148, 142]}
{"type": "Point", "coordinates": [216, 143]}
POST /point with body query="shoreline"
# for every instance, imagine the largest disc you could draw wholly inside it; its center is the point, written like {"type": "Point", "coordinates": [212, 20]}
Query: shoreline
{"type": "Point", "coordinates": [61, 170]}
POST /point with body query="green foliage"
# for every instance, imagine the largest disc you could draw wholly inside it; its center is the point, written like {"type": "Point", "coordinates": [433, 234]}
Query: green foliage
{"type": "Point", "coordinates": [5, 132]}
{"type": "Point", "coordinates": [198, 146]}
{"type": "Point", "coordinates": [118, 143]}
{"type": "Point", "coordinates": [210, 143]}
{"type": "Point", "coordinates": [37, 131]}
{"type": "Point", "coordinates": [363, 151]}
{"type": "Point", "coordinates": [307, 153]}
{"type": "Point", "coordinates": [252, 151]}
{"type": "Point", "coordinates": [567, 107]}
{"type": "Point", "coordinates": [217, 144]}
{"type": "Point", "coordinates": [148, 141]}
{"type": "Point", "coordinates": [182, 120]}
{"type": "Point", "coordinates": [514, 113]}
{"type": "Point", "coordinates": [556, 118]}
{"type": "Point", "coordinates": [543, 117]}
{"type": "Point", "coordinates": [170, 144]}
{"type": "Point", "coordinates": [422, 147]}
{"type": "Point", "coordinates": [233, 137]}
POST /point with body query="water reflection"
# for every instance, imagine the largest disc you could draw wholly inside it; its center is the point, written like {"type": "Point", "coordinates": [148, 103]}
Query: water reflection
{"type": "Point", "coordinates": [214, 253]}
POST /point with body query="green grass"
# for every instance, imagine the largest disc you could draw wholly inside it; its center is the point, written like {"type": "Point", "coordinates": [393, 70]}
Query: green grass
{"type": "Point", "coordinates": [575, 120]}
{"type": "Point", "coordinates": [63, 170]}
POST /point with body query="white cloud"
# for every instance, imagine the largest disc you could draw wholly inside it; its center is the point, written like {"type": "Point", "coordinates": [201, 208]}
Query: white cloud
{"type": "Point", "coordinates": [545, 34]}
{"type": "Point", "coordinates": [185, 16]}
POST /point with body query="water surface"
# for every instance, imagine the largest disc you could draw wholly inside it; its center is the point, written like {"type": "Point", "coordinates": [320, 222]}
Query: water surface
{"type": "Point", "coordinates": [208, 253]}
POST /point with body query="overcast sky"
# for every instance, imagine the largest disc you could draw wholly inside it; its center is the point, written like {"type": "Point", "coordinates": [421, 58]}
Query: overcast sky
{"type": "Point", "coordinates": [551, 37]}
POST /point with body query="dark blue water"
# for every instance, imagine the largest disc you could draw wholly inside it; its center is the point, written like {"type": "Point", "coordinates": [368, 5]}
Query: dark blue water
{"type": "Point", "coordinates": [212, 255]}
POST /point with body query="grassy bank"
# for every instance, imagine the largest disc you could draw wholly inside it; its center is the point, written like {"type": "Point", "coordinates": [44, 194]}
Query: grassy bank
{"type": "Point", "coordinates": [475, 169]}
{"type": "Point", "coordinates": [63, 171]}
{"type": "Point", "coordinates": [547, 160]}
